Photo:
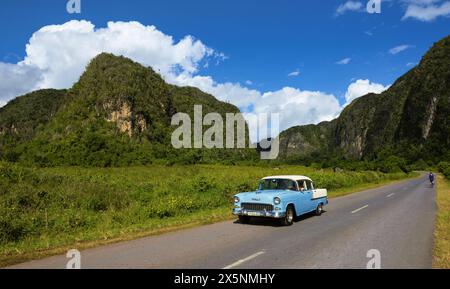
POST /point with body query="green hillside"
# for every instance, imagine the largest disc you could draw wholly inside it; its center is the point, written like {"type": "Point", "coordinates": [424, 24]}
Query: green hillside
{"type": "Point", "coordinates": [410, 122]}
{"type": "Point", "coordinates": [22, 117]}
{"type": "Point", "coordinates": [117, 114]}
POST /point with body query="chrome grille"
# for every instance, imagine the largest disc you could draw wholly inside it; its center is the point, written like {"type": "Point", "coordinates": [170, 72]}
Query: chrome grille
{"type": "Point", "coordinates": [257, 207]}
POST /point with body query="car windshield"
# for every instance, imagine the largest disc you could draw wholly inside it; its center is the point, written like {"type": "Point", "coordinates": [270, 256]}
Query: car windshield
{"type": "Point", "coordinates": [277, 184]}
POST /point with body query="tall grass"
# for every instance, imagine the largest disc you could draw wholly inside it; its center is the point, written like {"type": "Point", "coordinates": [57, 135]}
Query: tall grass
{"type": "Point", "coordinates": [42, 209]}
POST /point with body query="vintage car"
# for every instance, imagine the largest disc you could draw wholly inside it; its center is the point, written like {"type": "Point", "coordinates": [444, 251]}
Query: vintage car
{"type": "Point", "coordinates": [281, 197]}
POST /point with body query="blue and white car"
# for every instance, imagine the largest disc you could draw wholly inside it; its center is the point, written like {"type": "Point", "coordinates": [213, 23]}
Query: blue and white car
{"type": "Point", "coordinates": [281, 197]}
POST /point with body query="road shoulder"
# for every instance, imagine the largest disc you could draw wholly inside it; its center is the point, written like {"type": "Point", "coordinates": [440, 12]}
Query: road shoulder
{"type": "Point", "coordinates": [441, 252]}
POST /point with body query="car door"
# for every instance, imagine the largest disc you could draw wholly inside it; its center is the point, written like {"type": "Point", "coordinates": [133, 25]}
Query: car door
{"type": "Point", "coordinates": [309, 204]}
{"type": "Point", "coordinates": [303, 199]}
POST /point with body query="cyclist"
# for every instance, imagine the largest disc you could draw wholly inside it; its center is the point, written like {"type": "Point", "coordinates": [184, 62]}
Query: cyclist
{"type": "Point", "coordinates": [431, 177]}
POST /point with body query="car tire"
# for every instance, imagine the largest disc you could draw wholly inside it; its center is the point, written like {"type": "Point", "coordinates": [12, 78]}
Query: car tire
{"type": "Point", "coordinates": [319, 210]}
{"type": "Point", "coordinates": [288, 220]}
{"type": "Point", "coordinates": [244, 219]}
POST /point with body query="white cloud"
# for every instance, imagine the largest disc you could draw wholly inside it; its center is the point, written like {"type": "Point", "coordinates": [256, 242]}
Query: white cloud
{"type": "Point", "coordinates": [234, 93]}
{"type": "Point", "coordinates": [296, 107]}
{"type": "Point", "coordinates": [426, 10]}
{"type": "Point", "coordinates": [2, 103]}
{"type": "Point", "coordinates": [362, 87]}
{"type": "Point", "coordinates": [349, 6]}
{"type": "Point", "coordinates": [249, 82]}
{"type": "Point", "coordinates": [294, 73]}
{"type": "Point", "coordinates": [398, 49]}
{"type": "Point", "coordinates": [344, 61]}
{"type": "Point", "coordinates": [56, 56]}
{"type": "Point", "coordinates": [63, 51]}
{"type": "Point", "coordinates": [17, 79]}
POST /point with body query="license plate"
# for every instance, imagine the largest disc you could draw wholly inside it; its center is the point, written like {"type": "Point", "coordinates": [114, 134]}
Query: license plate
{"type": "Point", "coordinates": [254, 214]}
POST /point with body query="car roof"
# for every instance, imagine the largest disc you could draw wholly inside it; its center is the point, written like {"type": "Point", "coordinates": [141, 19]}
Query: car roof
{"type": "Point", "coordinates": [293, 177]}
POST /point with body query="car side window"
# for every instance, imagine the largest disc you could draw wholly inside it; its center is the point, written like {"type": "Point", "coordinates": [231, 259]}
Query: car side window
{"type": "Point", "coordinates": [302, 186]}
{"type": "Point", "coordinates": [308, 185]}
{"type": "Point", "coordinates": [290, 185]}
{"type": "Point", "coordinates": [294, 186]}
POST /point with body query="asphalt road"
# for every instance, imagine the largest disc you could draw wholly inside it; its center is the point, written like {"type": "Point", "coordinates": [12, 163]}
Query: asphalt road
{"type": "Point", "coordinates": [397, 220]}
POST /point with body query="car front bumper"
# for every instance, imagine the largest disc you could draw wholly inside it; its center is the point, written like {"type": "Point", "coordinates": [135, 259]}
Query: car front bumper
{"type": "Point", "coordinates": [261, 214]}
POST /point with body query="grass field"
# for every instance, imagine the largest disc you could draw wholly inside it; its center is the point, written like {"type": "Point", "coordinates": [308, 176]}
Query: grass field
{"type": "Point", "coordinates": [442, 231]}
{"type": "Point", "coordinates": [45, 211]}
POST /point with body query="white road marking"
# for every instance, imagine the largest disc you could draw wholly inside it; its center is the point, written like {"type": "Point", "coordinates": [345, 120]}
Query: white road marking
{"type": "Point", "coordinates": [390, 195]}
{"type": "Point", "coordinates": [244, 260]}
{"type": "Point", "coordinates": [362, 208]}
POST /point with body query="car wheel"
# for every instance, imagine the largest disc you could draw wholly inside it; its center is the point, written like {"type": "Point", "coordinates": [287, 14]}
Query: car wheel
{"type": "Point", "coordinates": [319, 210]}
{"type": "Point", "coordinates": [244, 219]}
{"type": "Point", "coordinates": [288, 220]}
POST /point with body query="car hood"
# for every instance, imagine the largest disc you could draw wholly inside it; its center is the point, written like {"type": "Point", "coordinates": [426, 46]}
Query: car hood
{"type": "Point", "coordinates": [265, 197]}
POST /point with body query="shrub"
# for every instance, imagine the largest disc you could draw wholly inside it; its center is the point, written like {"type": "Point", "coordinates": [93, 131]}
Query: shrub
{"type": "Point", "coordinates": [444, 168]}
{"type": "Point", "coordinates": [419, 165]}
{"type": "Point", "coordinates": [11, 229]}
{"type": "Point", "coordinates": [393, 164]}
{"type": "Point", "coordinates": [446, 173]}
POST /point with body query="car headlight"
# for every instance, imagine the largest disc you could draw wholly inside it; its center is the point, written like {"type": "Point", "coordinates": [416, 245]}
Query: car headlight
{"type": "Point", "coordinates": [236, 200]}
{"type": "Point", "coordinates": [276, 201]}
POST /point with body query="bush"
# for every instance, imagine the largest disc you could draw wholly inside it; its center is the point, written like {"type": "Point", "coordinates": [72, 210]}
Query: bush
{"type": "Point", "coordinates": [11, 229]}
{"type": "Point", "coordinates": [393, 164]}
{"type": "Point", "coordinates": [446, 172]}
{"type": "Point", "coordinates": [444, 168]}
{"type": "Point", "coordinates": [419, 165]}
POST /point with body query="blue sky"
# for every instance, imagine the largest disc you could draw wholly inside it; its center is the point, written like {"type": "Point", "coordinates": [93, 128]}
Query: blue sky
{"type": "Point", "coordinates": [264, 41]}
